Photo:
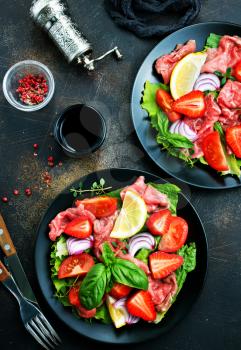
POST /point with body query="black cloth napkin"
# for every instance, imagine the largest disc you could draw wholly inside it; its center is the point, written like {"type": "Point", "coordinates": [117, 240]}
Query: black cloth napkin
{"type": "Point", "coordinates": [138, 15]}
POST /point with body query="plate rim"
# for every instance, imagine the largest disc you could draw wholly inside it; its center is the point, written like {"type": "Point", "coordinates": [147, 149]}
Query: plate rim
{"type": "Point", "coordinates": [206, 187]}
{"type": "Point", "coordinates": [38, 233]}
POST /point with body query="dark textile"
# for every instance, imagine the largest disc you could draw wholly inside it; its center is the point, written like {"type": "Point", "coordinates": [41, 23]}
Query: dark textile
{"type": "Point", "coordinates": [136, 15]}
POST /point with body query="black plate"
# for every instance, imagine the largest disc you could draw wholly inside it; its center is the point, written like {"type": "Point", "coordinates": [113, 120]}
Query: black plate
{"type": "Point", "coordinates": [118, 178]}
{"type": "Point", "coordinates": [199, 175]}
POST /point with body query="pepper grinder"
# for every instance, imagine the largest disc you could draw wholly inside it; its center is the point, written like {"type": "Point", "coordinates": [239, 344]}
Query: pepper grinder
{"type": "Point", "coordinates": [53, 16]}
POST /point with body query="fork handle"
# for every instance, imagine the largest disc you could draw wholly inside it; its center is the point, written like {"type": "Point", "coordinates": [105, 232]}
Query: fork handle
{"type": "Point", "coordinates": [4, 274]}
{"type": "Point", "coordinates": [6, 242]}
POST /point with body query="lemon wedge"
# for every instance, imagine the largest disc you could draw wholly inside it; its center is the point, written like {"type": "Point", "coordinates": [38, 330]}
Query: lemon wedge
{"type": "Point", "coordinates": [186, 73]}
{"type": "Point", "coordinates": [117, 314]}
{"type": "Point", "coordinates": [132, 216]}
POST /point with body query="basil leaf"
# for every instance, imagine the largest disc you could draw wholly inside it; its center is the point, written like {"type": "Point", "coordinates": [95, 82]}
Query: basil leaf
{"type": "Point", "coordinates": [109, 280]}
{"type": "Point", "coordinates": [126, 272]}
{"type": "Point", "coordinates": [103, 315]}
{"type": "Point", "coordinates": [93, 287]}
{"type": "Point", "coordinates": [108, 255]}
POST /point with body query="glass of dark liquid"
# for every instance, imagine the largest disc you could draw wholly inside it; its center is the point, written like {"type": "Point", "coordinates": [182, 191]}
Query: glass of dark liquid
{"type": "Point", "coordinates": [80, 130]}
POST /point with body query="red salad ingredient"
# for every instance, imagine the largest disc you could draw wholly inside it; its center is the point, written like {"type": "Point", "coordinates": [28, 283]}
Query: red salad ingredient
{"type": "Point", "coordinates": [75, 265]}
{"type": "Point", "coordinates": [166, 63]}
{"type": "Point", "coordinates": [165, 101]}
{"type": "Point", "coordinates": [16, 192]}
{"type": "Point", "coordinates": [176, 235]}
{"type": "Point", "coordinates": [4, 199]}
{"type": "Point", "coordinates": [141, 305]}
{"type": "Point", "coordinates": [213, 152]}
{"type": "Point", "coordinates": [162, 264]}
{"type": "Point", "coordinates": [58, 224]}
{"type": "Point", "coordinates": [32, 89]}
{"type": "Point", "coordinates": [228, 54]}
{"type": "Point", "coordinates": [119, 291]}
{"type": "Point", "coordinates": [237, 71]}
{"type": "Point", "coordinates": [28, 191]}
{"type": "Point", "coordinates": [100, 206]}
{"type": "Point", "coordinates": [162, 291]}
{"type": "Point", "coordinates": [158, 223]}
{"type": "Point", "coordinates": [74, 296]}
{"type": "Point", "coordinates": [80, 227]}
{"type": "Point", "coordinates": [192, 104]}
{"type": "Point", "coordinates": [233, 138]}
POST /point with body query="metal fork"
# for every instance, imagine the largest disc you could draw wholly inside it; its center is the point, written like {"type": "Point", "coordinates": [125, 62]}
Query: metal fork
{"type": "Point", "coordinates": [33, 319]}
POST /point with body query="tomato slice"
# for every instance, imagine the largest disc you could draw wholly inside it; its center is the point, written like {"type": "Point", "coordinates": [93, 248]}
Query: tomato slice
{"type": "Point", "coordinates": [176, 235]}
{"type": "Point", "coordinates": [80, 227]}
{"type": "Point", "coordinates": [75, 265]}
{"type": "Point", "coordinates": [213, 152]}
{"type": "Point", "coordinates": [191, 104]}
{"type": "Point", "coordinates": [158, 223]}
{"type": "Point", "coordinates": [165, 101]}
{"type": "Point", "coordinates": [233, 138]}
{"type": "Point", "coordinates": [74, 296]}
{"type": "Point", "coordinates": [100, 206]}
{"type": "Point", "coordinates": [119, 290]}
{"type": "Point", "coordinates": [237, 71]}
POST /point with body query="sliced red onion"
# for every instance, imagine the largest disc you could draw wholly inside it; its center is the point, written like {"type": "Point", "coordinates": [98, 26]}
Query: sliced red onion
{"type": "Point", "coordinates": [78, 246]}
{"type": "Point", "coordinates": [142, 240]}
{"type": "Point", "coordinates": [189, 133]}
{"type": "Point", "coordinates": [121, 304]}
{"type": "Point", "coordinates": [207, 81]}
{"type": "Point", "coordinates": [174, 126]}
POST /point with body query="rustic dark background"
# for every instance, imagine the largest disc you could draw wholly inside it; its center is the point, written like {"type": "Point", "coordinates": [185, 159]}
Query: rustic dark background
{"type": "Point", "coordinates": [215, 320]}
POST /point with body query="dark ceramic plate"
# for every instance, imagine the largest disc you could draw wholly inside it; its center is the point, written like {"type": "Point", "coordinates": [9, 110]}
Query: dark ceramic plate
{"type": "Point", "coordinates": [118, 178]}
{"type": "Point", "coordinates": [199, 175]}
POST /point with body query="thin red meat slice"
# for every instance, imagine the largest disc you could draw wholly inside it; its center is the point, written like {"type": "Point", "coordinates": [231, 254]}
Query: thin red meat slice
{"type": "Point", "coordinates": [138, 186]}
{"type": "Point", "coordinates": [166, 63]}
{"type": "Point", "coordinates": [229, 100]}
{"type": "Point", "coordinates": [226, 55]}
{"type": "Point", "coordinates": [58, 224]}
{"type": "Point", "coordinates": [162, 291]}
{"type": "Point", "coordinates": [152, 197]}
{"type": "Point", "coordinates": [102, 229]}
{"type": "Point", "coordinates": [137, 262]}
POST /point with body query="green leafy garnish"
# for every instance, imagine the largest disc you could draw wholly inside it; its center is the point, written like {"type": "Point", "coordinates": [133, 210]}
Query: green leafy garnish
{"type": "Point", "coordinates": [149, 100]}
{"type": "Point", "coordinates": [143, 255]}
{"type": "Point", "coordinates": [97, 188]}
{"type": "Point", "coordinates": [213, 41]}
{"type": "Point", "coordinates": [62, 286]}
{"type": "Point", "coordinates": [172, 193]}
{"type": "Point", "coordinates": [128, 273]}
{"type": "Point", "coordinates": [172, 143]}
{"type": "Point", "coordinates": [102, 314]}
{"type": "Point", "coordinates": [100, 278]}
{"type": "Point", "coordinates": [93, 287]}
{"type": "Point", "coordinates": [225, 76]}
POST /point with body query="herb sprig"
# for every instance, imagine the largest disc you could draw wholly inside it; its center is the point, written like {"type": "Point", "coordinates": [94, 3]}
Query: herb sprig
{"type": "Point", "coordinates": [225, 76]}
{"type": "Point", "coordinates": [96, 188]}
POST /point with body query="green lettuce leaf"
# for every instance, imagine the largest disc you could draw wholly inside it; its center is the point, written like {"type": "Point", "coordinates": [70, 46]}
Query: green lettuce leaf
{"type": "Point", "coordinates": [143, 255]}
{"type": "Point", "coordinates": [188, 252]}
{"type": "Point", "coordinates": [103, 315]}
{"type": "Point", "coordinates": [58, 254]}
{"type": "Point", "coordinates": [149, 100]}
{"type": "Point", "coordinates": [213, 41]}
{"type": "Point", "coordinates": [172, 193]}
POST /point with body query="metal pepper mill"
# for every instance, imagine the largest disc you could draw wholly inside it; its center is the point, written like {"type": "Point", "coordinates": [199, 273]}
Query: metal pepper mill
{"type": "Point", "coordinates": [53, 16]}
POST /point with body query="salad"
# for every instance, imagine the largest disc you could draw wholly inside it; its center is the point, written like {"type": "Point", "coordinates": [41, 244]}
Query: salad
{"type": "Point", "coordinates": [121, 257]}
{"type": "Point", "coordinates": [196, 108]}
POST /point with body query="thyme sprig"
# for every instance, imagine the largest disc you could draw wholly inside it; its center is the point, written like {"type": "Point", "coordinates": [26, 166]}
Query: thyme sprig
{"type": "Point", "coordinates": [96, 188]}
{"type": "Point", "coordinates": [225, 76]}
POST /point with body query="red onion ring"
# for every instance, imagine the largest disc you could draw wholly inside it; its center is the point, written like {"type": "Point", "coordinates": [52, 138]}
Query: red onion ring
{"type": "Point", "coordinates": [78, 246]}
{"type": "Point", "coordinates": [139, 241]}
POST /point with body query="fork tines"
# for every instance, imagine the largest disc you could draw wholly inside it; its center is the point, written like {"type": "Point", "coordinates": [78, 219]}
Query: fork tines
{"type": "Point", "coordinates": [43, 332]}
